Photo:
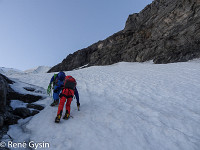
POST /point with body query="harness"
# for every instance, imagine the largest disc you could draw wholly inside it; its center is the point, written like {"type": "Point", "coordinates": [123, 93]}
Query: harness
{"type": "Point", "coordinates": [69, 96]}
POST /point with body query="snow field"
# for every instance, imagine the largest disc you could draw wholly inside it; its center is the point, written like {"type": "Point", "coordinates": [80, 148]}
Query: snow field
{"type": "Point", "coordinates": [128, 106]}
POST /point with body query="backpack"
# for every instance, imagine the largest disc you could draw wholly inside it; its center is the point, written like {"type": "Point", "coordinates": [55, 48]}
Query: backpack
{"type": "Point", "coordinates": [69, 83]}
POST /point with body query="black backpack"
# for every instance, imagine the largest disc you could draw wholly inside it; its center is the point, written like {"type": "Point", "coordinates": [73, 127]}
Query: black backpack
{"type": "Point", "coordinates": [69, 83]}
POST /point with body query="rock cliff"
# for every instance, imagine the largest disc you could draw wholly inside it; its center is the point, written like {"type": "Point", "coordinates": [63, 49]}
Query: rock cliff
{"type": "Point", "coordinates": [165, 31]}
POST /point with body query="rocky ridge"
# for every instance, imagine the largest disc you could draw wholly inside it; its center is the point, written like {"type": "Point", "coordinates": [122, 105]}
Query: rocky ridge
{"type": "Point", "coordinates": [165, 31]}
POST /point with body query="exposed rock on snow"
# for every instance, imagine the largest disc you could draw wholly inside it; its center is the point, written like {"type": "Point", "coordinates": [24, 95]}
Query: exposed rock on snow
{"type": "Point", "coordinates": [1, 121]}
{"type": "Point", "coordinates": [35, 106]}
{"type": "Point", "coordinates": [16, 90]}
{"type": "Point", "coordinates": [10, 118]}
{"type": "Point", "coordinates": [3, 93]}
{"type": "Point", "coordinates": [22, 112]}
{"type": "Point", "coordinates": [34, 112]}
{"type": "Point", "coordinates": [26, 98]}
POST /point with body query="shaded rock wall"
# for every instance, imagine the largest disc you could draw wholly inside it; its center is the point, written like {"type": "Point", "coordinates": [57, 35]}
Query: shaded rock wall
{"type": "Point", "coordinates": [8, 116]}
{"type": "Point", "coordinates": [3, 93]}
{"type": "Point", "coordinates": [165, 31]}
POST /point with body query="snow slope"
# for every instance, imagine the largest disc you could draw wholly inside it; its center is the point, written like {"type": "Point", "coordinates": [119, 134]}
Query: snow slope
{"type": "Point", "coordinates": [129, 106]}
{"type": "Point", "coordinates": [9, 71]}
{"type": "Point", "coordinates": [40, 69]}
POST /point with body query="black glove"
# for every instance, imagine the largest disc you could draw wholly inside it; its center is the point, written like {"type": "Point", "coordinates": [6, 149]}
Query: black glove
{"type": "Point", "coordinates": [78, 104]}
{"type": "Point", "coordinates": [60, 95]}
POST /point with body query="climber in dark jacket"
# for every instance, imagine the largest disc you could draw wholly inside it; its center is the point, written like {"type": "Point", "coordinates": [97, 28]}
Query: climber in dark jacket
{"type": "Point", "coordinates": [58, 82]}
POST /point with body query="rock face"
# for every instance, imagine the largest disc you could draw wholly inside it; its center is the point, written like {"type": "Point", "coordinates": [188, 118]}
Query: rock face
{"type": "Point", "coordinates": [25, 98]}
{"type": "Point", "coordinates": [22, 112]}
{"type": "Point", "coordinates": [8, 116]}
{"type": "Point", "coordinates": [35, 106]}
{"type": "Point", "coordinates": [3, 93]}
{"type": "Point", "coordinates": [165, 31]}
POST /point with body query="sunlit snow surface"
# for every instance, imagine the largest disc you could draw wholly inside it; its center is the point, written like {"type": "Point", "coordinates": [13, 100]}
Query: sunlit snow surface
{"type": "Point", "coordinates": [125, 106]}
{"type": "Point", "coordinates": [9, 71]}
{"type": "Point", "coordinates": [40, 69]}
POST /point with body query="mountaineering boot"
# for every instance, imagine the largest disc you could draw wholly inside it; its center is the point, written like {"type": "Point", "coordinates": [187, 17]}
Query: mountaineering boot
{"type": "Point", "coordinates": [66, 116]}
{"type": "Point", "coordinates": [55, 102]}
{"type": "Point", "coordinates": [57, 120]}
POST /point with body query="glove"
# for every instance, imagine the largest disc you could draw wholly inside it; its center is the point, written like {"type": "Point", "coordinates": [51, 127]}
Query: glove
{"type": "Point", "coordinates": [78, 104]}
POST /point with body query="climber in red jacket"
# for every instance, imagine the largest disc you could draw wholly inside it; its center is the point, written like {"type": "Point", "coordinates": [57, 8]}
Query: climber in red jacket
{"type": "Point", "coordinates": [68, 92]}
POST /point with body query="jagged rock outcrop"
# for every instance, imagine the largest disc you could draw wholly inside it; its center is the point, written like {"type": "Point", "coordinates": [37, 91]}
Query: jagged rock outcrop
{"type": "Point", "coordinates": [165, 31]}
{"type": "Point", "coordinates": [8, 116]}
{"type": "Point", "coordinates": [22, 112]}
{"type": "Point", "coordinates": [35, 106]}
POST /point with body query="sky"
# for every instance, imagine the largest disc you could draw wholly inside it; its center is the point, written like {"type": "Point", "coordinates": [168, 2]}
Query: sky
{"type": "Point", "coordinates": [43, 32]}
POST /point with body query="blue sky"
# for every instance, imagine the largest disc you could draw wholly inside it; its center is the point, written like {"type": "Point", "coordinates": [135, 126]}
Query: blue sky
{"type": "Point", "coordinates": [44, 32]}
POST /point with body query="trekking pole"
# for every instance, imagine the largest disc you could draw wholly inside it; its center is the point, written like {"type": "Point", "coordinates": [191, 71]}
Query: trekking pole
{"type": "Point", "coordinates": [77, 105]}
